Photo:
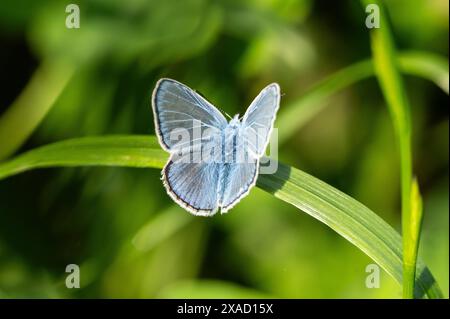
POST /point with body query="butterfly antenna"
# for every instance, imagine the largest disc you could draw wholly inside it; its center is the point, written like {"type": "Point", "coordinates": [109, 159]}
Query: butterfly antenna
{"type": "Point", "coordinates": [227, 114]}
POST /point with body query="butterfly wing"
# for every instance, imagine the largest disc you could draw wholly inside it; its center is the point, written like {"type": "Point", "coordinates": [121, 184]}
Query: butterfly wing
{"type": "Point", "coordinates": [252, 141]}
{"type": "Point", "coordinates": [240, 178]}
{"type": "Point", "coordinates": [259, 118]}
{"type": "Point", "coordinates": [175, 107]}
{"type": "Point", "coordinates": [193, 185]}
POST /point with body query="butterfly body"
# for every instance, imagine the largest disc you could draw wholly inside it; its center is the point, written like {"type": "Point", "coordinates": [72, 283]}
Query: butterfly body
{"type": "Point", "coordinates": [229, 158]}
{"type": "Point", "coordinates": [213, 163]}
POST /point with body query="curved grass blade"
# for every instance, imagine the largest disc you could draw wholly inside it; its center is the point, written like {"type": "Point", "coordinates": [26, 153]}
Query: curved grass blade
{"type": "Point", "coordinates": [343, 214]}
{"type": "Point", "coordinates": [426, 65]}
{"type": "Point", "coordinates": [120, 150]}
{"type": "Point", "coordinates": [31, 106]}
{"type": "Point", "coordinates": [422, 64]}
{"type": "Point", "coordinates": [349, 218]}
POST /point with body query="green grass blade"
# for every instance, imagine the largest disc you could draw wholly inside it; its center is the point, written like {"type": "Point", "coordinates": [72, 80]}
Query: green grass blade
{"type": "Point", "coordinates": [31, 106]}
{"type": "Point", "coordinates": [346, 216]}
{"type": "Point", "coordinates": [349, 218]}
{"type": "Point", "coordinates": [425, 65]}
{"type": "Point", "coordinates": [391, 83]}
{"type": "Point", "coordinates": [294, 115]}
{"type": "Point", "coordinates": [133, 151]}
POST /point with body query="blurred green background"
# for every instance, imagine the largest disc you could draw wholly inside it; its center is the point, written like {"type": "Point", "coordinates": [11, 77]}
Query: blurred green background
{"type": "Point", "coordinates": [129, 238]}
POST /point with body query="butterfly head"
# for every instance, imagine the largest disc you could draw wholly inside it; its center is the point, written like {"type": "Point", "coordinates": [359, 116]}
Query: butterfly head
{"type": "Point", "coordinates": [234, 122]}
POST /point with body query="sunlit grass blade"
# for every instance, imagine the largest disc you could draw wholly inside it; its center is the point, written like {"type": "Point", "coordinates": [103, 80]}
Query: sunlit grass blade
{"type": "Point", "coordinates": [349, 218]}
{"type": "Point", "coordinates": [31, 106]}
{"type": "Point", "coordinates": [391, 83]}
{"type": "Point", "coordinates": [346, 216]}
{"type": "Point", "coordinates": [134, 151]}
{"type": "Point", "coordinates": [294, 115]}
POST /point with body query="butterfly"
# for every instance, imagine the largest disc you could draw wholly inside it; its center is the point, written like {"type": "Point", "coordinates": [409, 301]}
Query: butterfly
{"type": "Point", "coordinates": [213, 163]}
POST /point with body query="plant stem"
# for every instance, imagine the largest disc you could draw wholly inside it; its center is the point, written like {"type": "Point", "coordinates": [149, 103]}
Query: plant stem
{"type": "Point", "coordinates": [415, 223]}
{"type": "Point", "coordinates": [386, 70]}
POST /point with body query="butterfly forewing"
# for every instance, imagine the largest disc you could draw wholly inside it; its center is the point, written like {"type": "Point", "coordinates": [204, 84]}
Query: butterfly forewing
{"type": "Point", "coordinates": [259, 118]}
{"type": "Point", "coordinates": [182, 114]}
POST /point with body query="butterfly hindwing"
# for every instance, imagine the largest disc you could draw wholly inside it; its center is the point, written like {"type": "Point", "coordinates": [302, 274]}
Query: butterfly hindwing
{"type": "Point", "coordinates": [193, 185]}
{"type": "Point", "coordinates": [240, 178]}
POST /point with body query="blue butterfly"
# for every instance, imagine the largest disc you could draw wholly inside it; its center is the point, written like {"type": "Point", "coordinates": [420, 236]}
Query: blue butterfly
{"type": "Point", "coordinates": [213, 163]}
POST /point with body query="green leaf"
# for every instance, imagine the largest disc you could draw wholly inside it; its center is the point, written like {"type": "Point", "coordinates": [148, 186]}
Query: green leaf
{"type": "Point", "coordinates": [345, 215]}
